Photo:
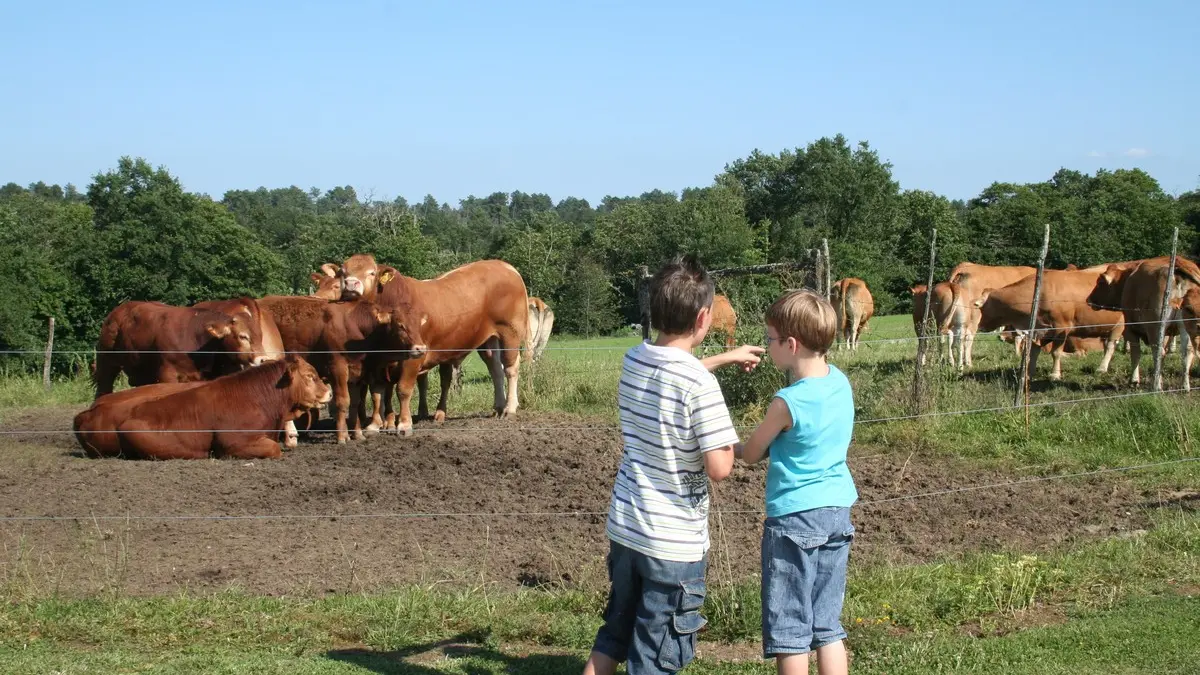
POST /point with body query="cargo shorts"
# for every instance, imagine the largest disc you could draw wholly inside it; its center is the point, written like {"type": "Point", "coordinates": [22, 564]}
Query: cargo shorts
{"type": "Point", "coordinates": [653, 611]}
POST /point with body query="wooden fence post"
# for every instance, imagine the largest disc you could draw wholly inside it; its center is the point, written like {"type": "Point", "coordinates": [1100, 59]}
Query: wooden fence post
{"type": "Point", "coordinates": [1165, 315]}
{"type": "Point", "coordinates": [828, 267]}
{"type": "Point", "coordinates": [1027, 351]}
{"type": "Point", "coordinates": [49, 354]}
{"type": "Point", "coordinates": [644, 301]}
{"type": "Point", "coordinates": [921, 336]}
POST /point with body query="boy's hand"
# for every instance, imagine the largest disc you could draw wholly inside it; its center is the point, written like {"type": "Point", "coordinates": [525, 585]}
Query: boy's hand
{"type": "Point", "coordinates": [747, 356]}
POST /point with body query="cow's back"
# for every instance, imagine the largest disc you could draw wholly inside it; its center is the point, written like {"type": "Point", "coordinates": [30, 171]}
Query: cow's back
{"type": "Point", "coordinates": [974, 278]}
{"type": "Point", "coordinates": [467, 304]}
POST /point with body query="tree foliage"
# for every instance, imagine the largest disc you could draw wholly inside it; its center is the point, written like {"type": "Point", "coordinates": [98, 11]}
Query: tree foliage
{"type": "Point", "coordinates": [136, 234]}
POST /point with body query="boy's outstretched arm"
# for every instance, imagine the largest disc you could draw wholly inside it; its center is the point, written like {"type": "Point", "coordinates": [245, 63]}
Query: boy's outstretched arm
{"type": "Point", "coordinates": [747, 356]}
{"type": "Point", "coordinates": [777, 419]}
{"type": "Point", "coordinates": [718, 464]}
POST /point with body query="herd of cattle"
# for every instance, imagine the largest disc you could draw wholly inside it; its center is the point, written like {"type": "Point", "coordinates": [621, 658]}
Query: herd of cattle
{"type": "Point", "coordinates": [233, 377]}
{"type": "Point", "coordinates": [1079, 310]}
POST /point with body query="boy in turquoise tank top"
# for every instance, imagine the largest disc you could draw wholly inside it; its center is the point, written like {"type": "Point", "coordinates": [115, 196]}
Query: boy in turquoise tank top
{"type": "Point", "coordinates": [807, 533]}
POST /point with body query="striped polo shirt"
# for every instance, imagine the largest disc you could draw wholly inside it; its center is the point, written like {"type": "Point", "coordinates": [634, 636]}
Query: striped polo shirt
{"type": "Point", "coordinates": [672, 411]}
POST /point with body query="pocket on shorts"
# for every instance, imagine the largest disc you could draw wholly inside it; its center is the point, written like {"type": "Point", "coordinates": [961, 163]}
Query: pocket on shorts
{"type": "Point", "coordinates": [678, 647]}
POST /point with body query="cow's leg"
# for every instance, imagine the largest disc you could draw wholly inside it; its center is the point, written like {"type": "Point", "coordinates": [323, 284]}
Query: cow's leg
{"type": "Point", "coordinates": [408, 381]}
{"type": "Point", "coordinates": [105, 374]}
{"type": "Point", "coordinates": [510, 355]}
{"type": "Point", "coordinates": [446, 373]}
{"type": "Point", "coordinates": [358, 408]}
{"type": "Point", "coordinates": [1110, 348]}
{"type": "Point", "coordinates": [1058, 349]}
{"type": "Point", "coordinates": [341, 399]}
{"type": "Point", "coordinates": [422, 396]}
{"type": "Point", "coordinates": [1031, 366]}
{"type": "Point", "coordinates": [376, 387]}
{"type": "Point", "coordinates": [969, 347]}
{"type": "Point", "coordinates": [1135, 358]}
{"type": "Point", "coordinates": [291, 437]}
{"type": "Point", "coordinates": [389, 408]}
{"type": "Point", "coordinates": [257, 447]}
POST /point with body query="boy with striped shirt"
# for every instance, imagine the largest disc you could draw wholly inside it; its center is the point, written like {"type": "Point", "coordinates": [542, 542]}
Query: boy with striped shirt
{"type": "Point", "coordinates": [677, 436]}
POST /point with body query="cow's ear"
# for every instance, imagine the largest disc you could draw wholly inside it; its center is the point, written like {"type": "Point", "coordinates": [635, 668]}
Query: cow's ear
{"type": "Point", "coordinates": [285, 380]}
{"type": "Point", "coordinates": [385, 275]}
{"type": "Point", "coordinates": [383, 316]}
{"type": "Point", "coordinates": [316, 278]}
{"type": "Point", "coordinates": [219, 330]}
{"type": "Point", "coordinates": [330, 269]}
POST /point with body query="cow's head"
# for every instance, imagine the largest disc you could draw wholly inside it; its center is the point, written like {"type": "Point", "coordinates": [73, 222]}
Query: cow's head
{"type": "Point", "coordinates": [404, 327]}
{"type": "Point", "coordinates": [328, 283]}
{"type": "Point", "coordinates": [235, 336]}
{"type": "Point", "coordinates": [251, 319]}
{"type": "Point", "coordinates": [305, 388]}
{"type": "Point", "coordinates": [919, 289]}
{"type": "Point", "coordinates": [361, 276]}
{"type": "Point", "coordinates": [1110, 285]}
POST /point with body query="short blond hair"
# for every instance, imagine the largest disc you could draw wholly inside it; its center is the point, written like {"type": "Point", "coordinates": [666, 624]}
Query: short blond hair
{"type": "Point", "coordinates": [805, 316]}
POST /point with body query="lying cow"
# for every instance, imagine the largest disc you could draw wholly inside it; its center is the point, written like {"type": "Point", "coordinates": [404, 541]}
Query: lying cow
{"type": "Point", "coordinates": [1063, 312]}
{"type": "Point", "coordinates": [153, 342]}
{"type": "Point", "coordinates": [480, 306]}
{"type": "Point", "coordinates": [343, 340]}
{"type": "Point", "coordinates": [240, 415]}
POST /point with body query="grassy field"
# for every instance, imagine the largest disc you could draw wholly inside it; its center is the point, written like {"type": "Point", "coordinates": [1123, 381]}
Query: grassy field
{"type": "Point", "coordinates": [1125, 604]}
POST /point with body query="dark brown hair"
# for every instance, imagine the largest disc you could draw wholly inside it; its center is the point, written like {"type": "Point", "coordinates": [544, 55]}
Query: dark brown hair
{"type": "Point", "coordinates": [678, 292]}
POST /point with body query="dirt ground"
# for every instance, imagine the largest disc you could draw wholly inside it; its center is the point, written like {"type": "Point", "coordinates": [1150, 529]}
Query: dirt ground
{"type": "Point", "coordinates": [478, 466]}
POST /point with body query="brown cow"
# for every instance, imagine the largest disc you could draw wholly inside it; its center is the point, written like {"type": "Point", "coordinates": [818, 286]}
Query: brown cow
{"type": "Point", "coordinates": [854, 307]}
{"type": "Point", "coordinates": [343, 339]}
{"type": "Point", "coordinates": [328, 283]}
{"type": "Point", "coordinates": [263, 330]}
{"type": "Point", "coordinates": [1137, 290]}
{"type": "Point", "coordinates": [479, 306]}
{"type": "Point", "coordinates": [154, 342]}
{"type": "Point", "coordinates": [1189, 331]}
{"type": "Point", "coordinates": [724, 319]}
{"type": "Point", "coordinates": [1063, 311]}
{"type": "Point", "coordinates": [95, 428]}
{"type": "Point", "coordinates": [239, 415]}
{"type": "Point", "coordinates": [972, 279]}
{"type": "Point", "coordinates": [950, 315]}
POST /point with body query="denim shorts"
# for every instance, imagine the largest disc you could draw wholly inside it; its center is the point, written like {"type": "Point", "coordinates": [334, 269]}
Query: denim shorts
{"type": "Point", "coordinates": [653, 611]}
{"type": "Point", "coordinates": [804, 556]}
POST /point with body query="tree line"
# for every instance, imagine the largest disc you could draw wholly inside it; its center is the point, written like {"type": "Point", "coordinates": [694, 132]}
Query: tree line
{"type": "Point", "coordinates": [136, 234]}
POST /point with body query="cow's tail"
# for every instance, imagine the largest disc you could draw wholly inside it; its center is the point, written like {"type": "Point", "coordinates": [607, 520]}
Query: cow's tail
{"type": "Point", "coordinates": [944, 326]}
{"type": "Point", "coordinates": [1187, 276]}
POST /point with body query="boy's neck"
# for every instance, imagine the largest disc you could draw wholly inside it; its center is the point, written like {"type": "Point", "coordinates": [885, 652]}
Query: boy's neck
{"type": "Point", "coordinates": [808, 366]}
{"type": "Point", "coordinates": [685, 342]}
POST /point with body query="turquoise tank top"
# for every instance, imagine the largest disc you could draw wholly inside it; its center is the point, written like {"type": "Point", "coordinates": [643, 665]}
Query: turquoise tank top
{"type": "Point", "coordinates": [808, 467]}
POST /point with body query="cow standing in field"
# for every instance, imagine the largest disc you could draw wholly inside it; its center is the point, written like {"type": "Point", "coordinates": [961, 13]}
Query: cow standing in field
{"type": "Point", "coordinates": [724, 319]}
{"type": "Point", "coordinates": [972, 279]}
{"type": "Point", "coordinates": [950, 315]}
{"type": "Point", "coordinates": [1063, 312]}
{"type": "Point", "coordinates": [1189, 332]}
{"type": "Point", "coordinates": [342, 340]}
{"type": "Point", "coordinates": [239, 415]}
{"type": "Point", "coordinates": [1137, 290]}
{"type": "Point", "coordinates": [154, 342]}
{"type": "Point", "coordinates": [480, 306]}
{"type": "Point", "coordinates": [854, 307]}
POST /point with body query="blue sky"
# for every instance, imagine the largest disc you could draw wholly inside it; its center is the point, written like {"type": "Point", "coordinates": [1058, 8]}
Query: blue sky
{"type": "Point", "coordinates": [589, 98]}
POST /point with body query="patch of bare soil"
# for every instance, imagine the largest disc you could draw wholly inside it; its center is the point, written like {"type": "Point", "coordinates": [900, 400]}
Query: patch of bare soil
{"type": "Point", "coordinates": [376, 513]}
